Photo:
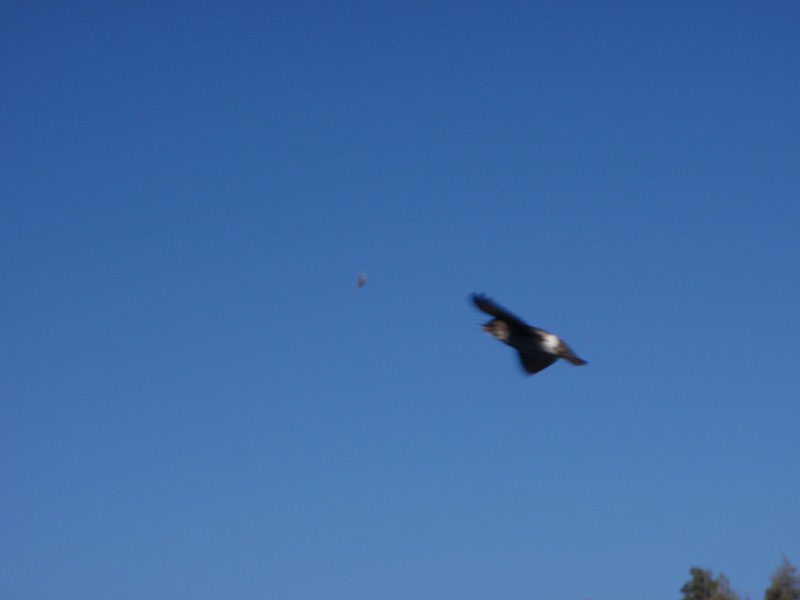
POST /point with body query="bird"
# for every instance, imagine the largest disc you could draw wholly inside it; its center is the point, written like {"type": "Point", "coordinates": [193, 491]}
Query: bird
{"type": "Point", "coordinates": [361, 280]}
{"type": "Point", "coordinates": [537, 348]}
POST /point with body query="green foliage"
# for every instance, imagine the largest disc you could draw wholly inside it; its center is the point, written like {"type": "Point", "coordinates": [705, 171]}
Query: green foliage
{"type": "Point", "coordinates": [703, 586]}
{"type": "Point", "coordinates": [724, 590]}
{"type": "Point", "coordinates": [785, 583]}
{"type": "Point", "coordinates": [700, 587]}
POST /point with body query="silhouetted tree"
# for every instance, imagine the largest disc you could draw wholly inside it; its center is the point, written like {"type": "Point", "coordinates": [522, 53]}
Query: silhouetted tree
{"type": "Point", "coordinates": [784, 584]}
{"type": "Point", "coordinates": [703, 586]}
{"type": "Point", "coordinates": [724, 590]}
{"type": "Point", "coordinates": [700, 587]}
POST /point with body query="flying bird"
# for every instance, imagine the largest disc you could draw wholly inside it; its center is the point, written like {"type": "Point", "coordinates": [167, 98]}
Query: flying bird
{"type": "Point", "coordinates": [538, 349]}
{"type": "Point", "coordinates": [361, 280]}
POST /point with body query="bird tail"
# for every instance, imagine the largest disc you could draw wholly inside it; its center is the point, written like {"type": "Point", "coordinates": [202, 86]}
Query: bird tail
{"type": "Point", "coordinates": [566, 352]}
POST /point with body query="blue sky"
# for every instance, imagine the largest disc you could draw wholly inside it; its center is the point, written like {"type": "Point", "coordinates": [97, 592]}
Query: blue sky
{"type": "Point", "coordinates": [198, 403]}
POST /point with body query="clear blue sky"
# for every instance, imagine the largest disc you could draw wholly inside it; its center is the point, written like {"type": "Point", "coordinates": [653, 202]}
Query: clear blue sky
{"type": "Point", "coordinates": [197, 402]}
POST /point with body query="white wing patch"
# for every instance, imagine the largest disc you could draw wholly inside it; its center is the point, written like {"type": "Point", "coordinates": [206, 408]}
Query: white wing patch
{"type": "Point", "coordinates": [550, 342]}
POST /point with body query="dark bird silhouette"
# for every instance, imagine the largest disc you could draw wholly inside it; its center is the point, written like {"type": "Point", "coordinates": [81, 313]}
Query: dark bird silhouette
{"type": "Point", "coordinates": [538, 349]}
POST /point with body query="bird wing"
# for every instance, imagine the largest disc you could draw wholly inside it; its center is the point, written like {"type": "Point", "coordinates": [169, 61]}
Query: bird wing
{"type": "Point", "coordinates": [498, 312]}
{"type": "Point", "coordinates": [533, 363]}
